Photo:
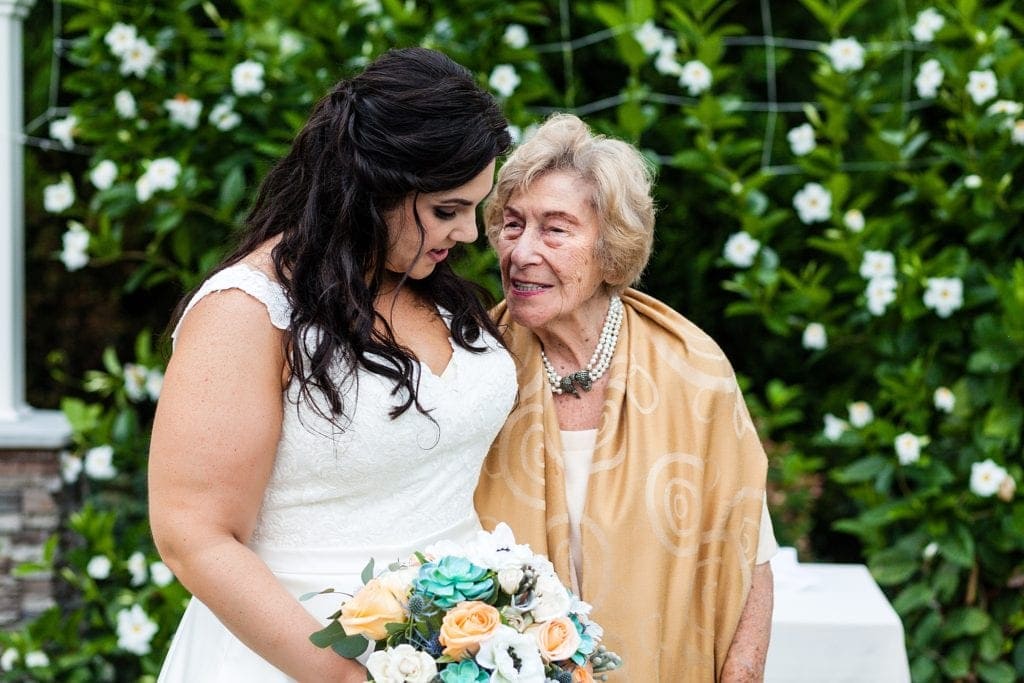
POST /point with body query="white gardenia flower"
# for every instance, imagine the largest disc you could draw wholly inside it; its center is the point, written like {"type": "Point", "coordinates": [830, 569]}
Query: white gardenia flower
{"type": "Point", "coordinates": [1017, 132]}
{"type": "Point", "coordinates": [161, 174]}
{"type": "Point", "coordinates": [137, 568]}
{"type": "Point", "coordinates": [8, 659]}
{"type": "Point", "coordinates": [929, 77]}
{"type": "Point", "coordinates": [861, 414]}
{"type": "Point", "coordinates": [504, 80]}
{"type": "Point", "coordinates": [63, 130]}
{"type": "Point", "coordinates": [138, 58]}
{"type": "Point", "coordinates": [36, 659]}
{"type": "Point", "coordinates": [154, 383]}
{"type": "Point", "coordinates": [801, 139]}
{"type": "Point", "coordinates": [98, 567]}
{"type": "Point", "coordinates": [516, 133]}
{"type": "Point", "coordinates": [161, 574]}
{"type": "Point", "coordinates": [986, 478]}
{"type": "Point", "coordinates": [247, 78]}
{"type": "Point", "coordinates": [982, 86]}
{"type": "Point", "coordinates": [184, 111]}
{"type": "Point", "coordinates": [740, 249]}
{"type": "Point", "coordinates": [944, 295]}
{"type": "Point", "coordinates": [880, 292]}
{"type": "Point", "coordinates": [846, 54]}
{"type": "Point", "coordinates": [930, 550]}
{"type": "Point", "coordinates": [815, 336]}
{"type": "Point", "coordinates": [369, 7]}
{"type": "Point", "coordinates": [512, 657]}
{"type": "Point", "coordinates": [834, 427]}
{"type": "Point", "coordinates": [75, 254]}
{"type": "Point", "coordinates": [908, 448]}
{"type": "Point", "coordinates": [135, 381]}
{"type": "Point", "coordinates": [944, 399]}
{"type": "Point", "coordinates": [972, 181]}
{"type": "Point", "coordinates": [401, 664]}
{"type": "Point", "coordinates": [649, 36]}
{"type": "Point", "coordinates": [516, 36]}
{"type": "Point", "coordinates": [135, 630]}
{"type": "Point", "coordinates": [878, 264]}
{"type": "Point", "coordinates": [124, 104]}
{"type": "Point", "coordinates": [497, 550]}
{"type": "Point", "coordinates": [1001, 107]}
{"type": "Point", "coordinates": [927, 24]}
{"type": "Point", "coordinates": [223, 116]}
{"type": "Point", "coordinates": [103, 175]}
{"type": "Point", "coordinates": [695, 77]}
{"type": "Point", "coordinates": [70, 467]}
{"type": "Point", "coordinates": [813, 203]}
{"type": "Point", "coordinates": [59, 196]}
{"type": "Point", "coordinates": [99, 462]}
{"type": "Point", "coordinates": [120, 38]}
{"type": "Point", "coordinates": [854, 220]}
{"type": "Point", "coordinates": [667, 64]}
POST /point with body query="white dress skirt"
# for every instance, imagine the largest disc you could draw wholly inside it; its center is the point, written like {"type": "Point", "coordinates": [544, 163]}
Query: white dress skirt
{"type": "Point", "coordinates": [375, 488]}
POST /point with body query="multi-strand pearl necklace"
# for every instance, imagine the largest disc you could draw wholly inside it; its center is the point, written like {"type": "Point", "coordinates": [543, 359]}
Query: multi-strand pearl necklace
{"type": "Point", "coordinates": [599, 362]}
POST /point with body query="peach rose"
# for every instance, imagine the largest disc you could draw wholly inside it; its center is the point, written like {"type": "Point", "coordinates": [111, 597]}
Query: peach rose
{"type": "Point", "coordinates": [582, 675]}
{"type": "Point", "coordinates": [557, 639]}
{"type": "Point", "coordinates": [465, 626]}
{"type": "Point", "coordinates": [370, 610]}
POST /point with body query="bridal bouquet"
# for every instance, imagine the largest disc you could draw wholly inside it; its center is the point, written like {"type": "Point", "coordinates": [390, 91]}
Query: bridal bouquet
{"type": "Point", "coordinates": [489, 610]}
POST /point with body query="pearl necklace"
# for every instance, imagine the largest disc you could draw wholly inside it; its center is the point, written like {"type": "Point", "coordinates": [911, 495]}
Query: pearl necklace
{"type": "Point", "coordinates": [599, 362]}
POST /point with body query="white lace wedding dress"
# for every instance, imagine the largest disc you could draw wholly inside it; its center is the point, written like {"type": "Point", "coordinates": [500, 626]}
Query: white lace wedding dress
{"type": "Point", "coordinates": [378, 488]}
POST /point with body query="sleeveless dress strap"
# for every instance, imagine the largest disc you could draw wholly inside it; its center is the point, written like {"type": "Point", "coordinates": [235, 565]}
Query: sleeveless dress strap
{"type": "Point", "coordinates": [253, 282]}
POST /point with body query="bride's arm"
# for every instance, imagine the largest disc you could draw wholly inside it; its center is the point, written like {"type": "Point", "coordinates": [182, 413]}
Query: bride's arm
{"type": "Point", "coordinates": [214, 439]}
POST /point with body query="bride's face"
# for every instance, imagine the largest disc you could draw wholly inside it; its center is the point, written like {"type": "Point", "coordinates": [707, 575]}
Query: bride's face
{"type": "Point", "coordinates": [448, 217]}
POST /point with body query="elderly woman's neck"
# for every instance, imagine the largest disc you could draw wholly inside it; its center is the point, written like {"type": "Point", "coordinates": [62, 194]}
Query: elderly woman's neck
{"type": "Point", "coordinates": [570, 339]}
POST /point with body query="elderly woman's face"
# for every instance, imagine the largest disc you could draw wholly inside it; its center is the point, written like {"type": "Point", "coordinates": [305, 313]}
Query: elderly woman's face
{"type": "Point", "coordinates": [546, 249]}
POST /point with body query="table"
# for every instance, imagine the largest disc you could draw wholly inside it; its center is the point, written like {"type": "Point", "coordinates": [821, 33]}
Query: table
{"type": "Point", "coordinates": [832, 623]}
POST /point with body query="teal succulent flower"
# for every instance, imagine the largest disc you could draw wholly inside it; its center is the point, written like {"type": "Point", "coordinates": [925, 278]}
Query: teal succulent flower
{"type": "Point", "coordinates": [465, 671]}
{"type": "Point", "coordinates": [451, 580]}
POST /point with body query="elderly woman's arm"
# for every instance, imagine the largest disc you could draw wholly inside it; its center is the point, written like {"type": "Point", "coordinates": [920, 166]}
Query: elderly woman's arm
{"type": "Point", "coordinates": [745, 661]}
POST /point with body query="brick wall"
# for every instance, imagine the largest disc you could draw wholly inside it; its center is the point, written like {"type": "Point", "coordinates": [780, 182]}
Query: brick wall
{"type": "Point", "coordinates": [29, 514]}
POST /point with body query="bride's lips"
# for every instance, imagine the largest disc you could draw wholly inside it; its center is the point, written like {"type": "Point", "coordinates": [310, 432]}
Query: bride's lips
{"type": "Point", "coordinates": [437, 255]}
{"type": "Point", "coordinates": [525, 288]}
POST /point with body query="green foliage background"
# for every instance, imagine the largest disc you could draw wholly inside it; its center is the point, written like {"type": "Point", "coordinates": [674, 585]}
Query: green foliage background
{"type": "Point", "coordinates": [725, 166]}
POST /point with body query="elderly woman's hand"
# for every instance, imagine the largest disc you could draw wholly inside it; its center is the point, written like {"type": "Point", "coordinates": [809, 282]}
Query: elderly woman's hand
{"type": "Point", "coordinates": [746, 658]}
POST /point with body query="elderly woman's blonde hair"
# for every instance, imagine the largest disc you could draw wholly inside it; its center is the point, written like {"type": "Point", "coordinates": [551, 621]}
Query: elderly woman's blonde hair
{"type": "Point", "coordinates": [621, 180]}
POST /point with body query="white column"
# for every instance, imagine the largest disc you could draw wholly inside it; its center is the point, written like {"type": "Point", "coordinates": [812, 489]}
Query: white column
{"type": "Point", "coordinates": [20, 425]}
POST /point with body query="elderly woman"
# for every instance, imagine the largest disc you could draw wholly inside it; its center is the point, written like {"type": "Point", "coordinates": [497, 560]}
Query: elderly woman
{"type": "Point", "coordinates": [630, 458]}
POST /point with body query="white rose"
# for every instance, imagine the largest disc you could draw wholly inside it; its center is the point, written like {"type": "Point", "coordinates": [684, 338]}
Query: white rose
{"type": "Point", "coordinates": [509, 579]}
{"type": "Point", "coordinates": [986, 477]}
{"type": "Point", "coordinates": [99, 462]}
{"type": "Point", "coordinates": [98, 567]}
{"type": "Point", "coordinates": [908, 448]}
{"type": "Point", "coordinates": [741, 249]}
{"type": "Point", "coordinates": [401, 664]}
{"type": "Point", "coordinates": [861, 414]}
{"type": "Point", "coordinates": [813, 203]}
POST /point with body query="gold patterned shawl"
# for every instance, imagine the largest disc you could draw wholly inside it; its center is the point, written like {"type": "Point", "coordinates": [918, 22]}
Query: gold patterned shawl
{"type": "Point", "coordinates": [670, 527]}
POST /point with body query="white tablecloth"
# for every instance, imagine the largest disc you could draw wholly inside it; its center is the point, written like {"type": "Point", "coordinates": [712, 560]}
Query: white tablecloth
{"type": "Point", "coordinates": [832, 623]}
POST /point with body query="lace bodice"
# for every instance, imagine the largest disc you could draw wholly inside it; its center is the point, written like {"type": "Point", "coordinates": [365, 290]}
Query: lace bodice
{"type": "Point", "coordinates": [377, 481]}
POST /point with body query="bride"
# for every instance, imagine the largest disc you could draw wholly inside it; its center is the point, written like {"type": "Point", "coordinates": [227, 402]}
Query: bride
{"type": "Point", "coordinates": [334, 386]}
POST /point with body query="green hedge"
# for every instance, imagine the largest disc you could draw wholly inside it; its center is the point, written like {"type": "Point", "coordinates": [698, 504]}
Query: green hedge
{"type": "Point", "coordinates": [839, 206]}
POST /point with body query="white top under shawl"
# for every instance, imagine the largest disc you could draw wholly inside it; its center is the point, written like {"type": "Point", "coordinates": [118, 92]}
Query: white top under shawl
{"type": "Point", "coordinates": [578, 454]}
{"type": "Point", "coordinates": [377, 480]}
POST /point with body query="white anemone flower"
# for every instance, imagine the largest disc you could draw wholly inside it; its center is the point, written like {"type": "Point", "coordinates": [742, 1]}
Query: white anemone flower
{"type": "Point", "coordinates": [846, 54]}
{"type": "Point", "coordinates": [63, 130]}
{"type": "Point", "coordinates": [504, 80]}
{"type": "Point", "coordinates": [124, 104]}
{"type": "Point", "coordinates": [59, 196]}
{"type": "Point", "coordinates": [929, 77]}
{"type": "Point", "coordinates": [944, 295]}
{"type": "Point", "coordinates": [928, 23]}
{"type": "Point", "coordinates": [908, 448]}
{"type": "Point", "coordinates": [103, 175]}
{"type": "Point", "coordinates": [982, 86]}
{"type": "Point", "coordinates": [815, 337]}
{"type": "Point", "coordinates": [813, 203]}
{"type": "Point", "coordinates": [247, 78]}
{"type": "Point", "coordinates": [741, 249]}
{"type": "Point", "coordinates": [516, 36]}
{"type": "Point", "coordinates": [861, 414]}
{"type": "Point", "coordinates": [986, 478]}
{"type": "Point", "coordinates": [854, 220]}
{"type": "Point", "coordinates": [511, 656]}
{"type": "Point", "coordinates": [878, 264]}
{"type": "Point", "coordinates": [944, 399]}
{"type": "Point", "coordinates": [880, 292]}
{"type": "Point", "coordinates": [801, 139]}
{"type": "Point", "coordinates": [695, 76]}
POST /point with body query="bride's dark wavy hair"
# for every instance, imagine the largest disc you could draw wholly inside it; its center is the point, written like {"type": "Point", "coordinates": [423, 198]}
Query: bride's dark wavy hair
{"type": "Point", "coordinates": [412, 122]}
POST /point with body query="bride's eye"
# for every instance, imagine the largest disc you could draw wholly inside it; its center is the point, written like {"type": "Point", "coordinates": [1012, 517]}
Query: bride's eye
{"type": "Point", "coordinates": [444, 215]}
